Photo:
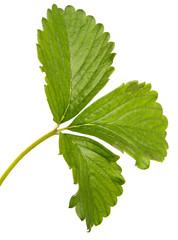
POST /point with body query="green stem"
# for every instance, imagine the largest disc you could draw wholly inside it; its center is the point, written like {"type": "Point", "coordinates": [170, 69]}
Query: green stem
{"type": "Point", "coordinates": [28, 149]}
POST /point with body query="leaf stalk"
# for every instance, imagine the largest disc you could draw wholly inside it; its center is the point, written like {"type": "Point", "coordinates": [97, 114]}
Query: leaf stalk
{"type": "Point", "coordinates": [55, 131]}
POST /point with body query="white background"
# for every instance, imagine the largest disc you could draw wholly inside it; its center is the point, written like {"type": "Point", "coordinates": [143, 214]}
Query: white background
{"type": "Point", "coordinates": [34, 198]}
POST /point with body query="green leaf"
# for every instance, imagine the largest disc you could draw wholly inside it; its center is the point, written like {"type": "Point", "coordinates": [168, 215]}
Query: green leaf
{"type": "Point", "coordinates": [76, 56]}
{"type": "Point", "coordinates": [97, 173]}
{"type": "Point", "coordinates": [130, 119]}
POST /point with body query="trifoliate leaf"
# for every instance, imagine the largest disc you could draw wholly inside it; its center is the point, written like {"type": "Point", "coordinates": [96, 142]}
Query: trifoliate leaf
{"type": "Point", "coordinates": [97, 173]}
{"type": "Point", "coordinates": [130, 119]}
{"type": "Point", "coordinates": [76, 56]}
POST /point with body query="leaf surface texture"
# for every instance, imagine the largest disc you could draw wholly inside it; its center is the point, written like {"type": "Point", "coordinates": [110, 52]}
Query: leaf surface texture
{"type": "Point", "coordinates": [96, 172]}
{"type": "Point", "coordinates": [76, 56]}
{"type": "Point", "coordinates": [130, 119]}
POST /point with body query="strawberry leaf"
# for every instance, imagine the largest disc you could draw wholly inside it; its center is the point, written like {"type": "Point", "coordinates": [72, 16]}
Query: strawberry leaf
{"type": "Point", "coordinates": [76, 56]}
{"type": "Point", "coordinates": [130, 119]}
{"type": "Point", "coordinates": [97, 173]}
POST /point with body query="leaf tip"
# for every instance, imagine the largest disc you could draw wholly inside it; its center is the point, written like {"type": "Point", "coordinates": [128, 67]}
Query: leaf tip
{"type": "Point", "coordinates": [91, 20]}
{"type": "Point", "coordinates": [54, 7]}
{"type": "Point", "coordinates": [69, 9]}
{"type": "Point", "coordinates": [143, 163]}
